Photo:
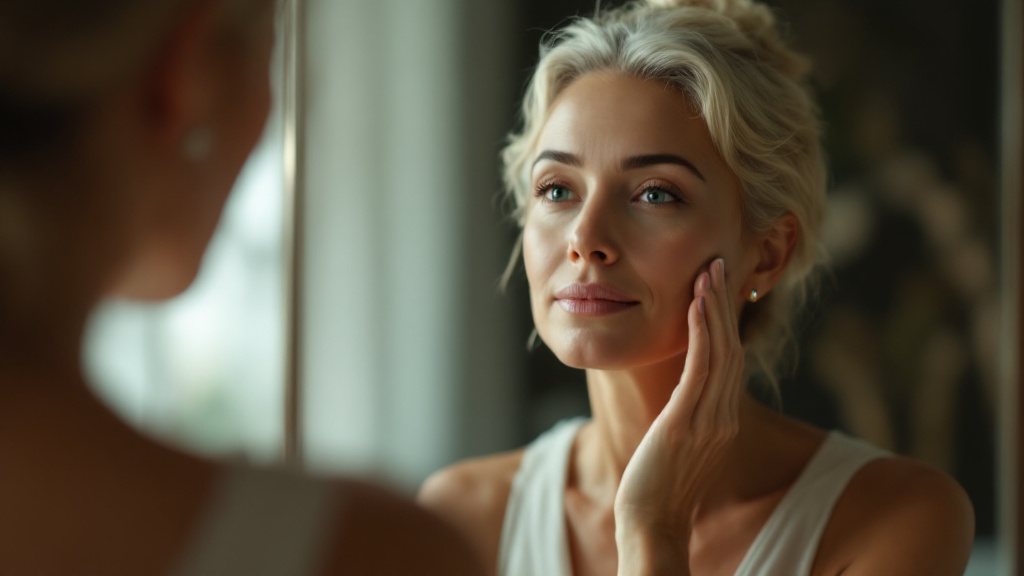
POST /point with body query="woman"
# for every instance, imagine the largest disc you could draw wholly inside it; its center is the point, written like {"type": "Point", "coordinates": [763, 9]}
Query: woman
{"type": "Point", "coordinates": [670, 188]}
{"type": "Point", "coordinates": [123, 125]}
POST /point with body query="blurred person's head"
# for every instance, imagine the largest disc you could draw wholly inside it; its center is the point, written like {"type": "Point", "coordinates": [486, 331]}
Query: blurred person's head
{"type": "Point", "coordinates": [708, 78]}
{"type": "Point", "coordinates": [123, 125]}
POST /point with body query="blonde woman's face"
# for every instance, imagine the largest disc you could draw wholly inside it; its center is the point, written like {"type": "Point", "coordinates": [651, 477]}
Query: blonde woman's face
{"type": "Point", "coordinates": [631, 202]}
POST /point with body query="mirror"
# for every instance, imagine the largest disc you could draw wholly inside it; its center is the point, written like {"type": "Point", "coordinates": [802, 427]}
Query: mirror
{"type": "Point", "coordinates": [903, 347]}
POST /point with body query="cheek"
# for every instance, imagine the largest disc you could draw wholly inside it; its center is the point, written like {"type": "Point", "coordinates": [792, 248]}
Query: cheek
{"type": "Point", "coordinates": [669, 268]}
{"type": "Point", "coordinates": [672, 289]}
{"type": "Point", "coordinates": [672, 264]}
{"type": "Point", "coordinates": [540, 255]}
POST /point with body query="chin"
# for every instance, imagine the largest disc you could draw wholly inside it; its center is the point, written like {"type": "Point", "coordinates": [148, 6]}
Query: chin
{"type": "Point", "coordinates": [591, 355]}
{"type": "Point", "coordinates": [596, 353]}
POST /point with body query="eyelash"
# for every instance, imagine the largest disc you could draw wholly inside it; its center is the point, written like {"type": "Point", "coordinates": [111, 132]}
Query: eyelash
{"type": "Point", "coordinates": [669, 189]}
{"type": "Point", "coordinates": [545, 186]}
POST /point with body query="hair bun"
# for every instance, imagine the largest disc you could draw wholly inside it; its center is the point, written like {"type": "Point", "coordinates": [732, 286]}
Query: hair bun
{"type": "Point", "coordinates": [757, 22]}
{"type": "Point", "coordinates": [711, 4]}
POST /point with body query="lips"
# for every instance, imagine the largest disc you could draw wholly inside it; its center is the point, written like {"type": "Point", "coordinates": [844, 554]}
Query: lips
{"type": "Point", "coordinates": [592, 299]}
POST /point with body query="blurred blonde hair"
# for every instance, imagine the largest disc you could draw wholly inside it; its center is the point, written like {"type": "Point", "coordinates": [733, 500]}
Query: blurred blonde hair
{"type": "Point", "coordinates": [73, 47]}
{"type": "Point", "coordinates": [59, 58]}
{"type": "Point", "coordinates": [727, 58]}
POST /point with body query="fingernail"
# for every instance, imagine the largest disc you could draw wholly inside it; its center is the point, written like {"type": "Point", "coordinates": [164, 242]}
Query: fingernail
{"type": "Point", "coordinates": [720, 277]}
{"type": "Point", "coordinates": [702, 282]}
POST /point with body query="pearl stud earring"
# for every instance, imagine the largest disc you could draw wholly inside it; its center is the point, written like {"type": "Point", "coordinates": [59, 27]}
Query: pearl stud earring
{"type": "Point", "coordinates": [753, 295]}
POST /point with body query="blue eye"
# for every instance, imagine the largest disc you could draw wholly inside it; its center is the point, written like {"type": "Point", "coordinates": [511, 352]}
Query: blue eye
{"type": "Point", "coordinates": [558, 193]}
{"type": "Point", "coordinates": [655, 195]}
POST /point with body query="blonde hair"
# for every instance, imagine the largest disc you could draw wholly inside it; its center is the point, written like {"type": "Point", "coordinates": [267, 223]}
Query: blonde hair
{"type": "Point", "coordinates": [750, 89]}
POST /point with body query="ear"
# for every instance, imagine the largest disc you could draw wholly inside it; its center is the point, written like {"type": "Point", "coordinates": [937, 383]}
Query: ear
{"type": "Point", "coordinates": [178, 92]}
{"type": "Point", "coordinates": [774, 249]}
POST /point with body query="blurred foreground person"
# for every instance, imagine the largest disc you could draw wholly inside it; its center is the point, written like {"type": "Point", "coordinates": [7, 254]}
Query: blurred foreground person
{"type": "Point", "coordinates": [123, 125]}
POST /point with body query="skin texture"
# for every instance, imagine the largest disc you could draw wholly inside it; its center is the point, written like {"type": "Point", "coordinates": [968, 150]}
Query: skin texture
{"type": "Point", "coordinates": [607, 231]}
{"type": "Point", "coordinates": [679, 468]}
{"type": "Point", "coordinates": [81, 492]}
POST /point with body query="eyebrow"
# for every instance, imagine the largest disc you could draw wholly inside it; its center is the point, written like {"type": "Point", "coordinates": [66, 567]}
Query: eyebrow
{"type": "Point", "coordinates": [631, 163]}
{"type": "Point", "coordinates": [645, 160]}
{"type": "Point", "coordinates": [560, 157]}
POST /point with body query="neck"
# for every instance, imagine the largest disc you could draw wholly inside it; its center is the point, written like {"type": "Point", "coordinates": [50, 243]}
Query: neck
{"type": "Point", "coordinates": [40, 352]}
{"type": "Point", "coordinates": [56, 261]}
{"type": "Point", "coordinates": [41, 329]}
{"type": "Point", "coordinates": [624, 404]}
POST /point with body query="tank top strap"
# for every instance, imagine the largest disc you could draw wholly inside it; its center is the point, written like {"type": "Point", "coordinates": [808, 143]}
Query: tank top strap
{"type": "Point", "coordinates": [788, 542]}
{"type": "Point", "coordinates": [269, 522]}
{"type": "Point", "coordinates": [533, 537]}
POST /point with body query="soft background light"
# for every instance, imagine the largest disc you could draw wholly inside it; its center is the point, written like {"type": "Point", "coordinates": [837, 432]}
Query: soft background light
{"type": "Point", "coordinates": [205, 369]}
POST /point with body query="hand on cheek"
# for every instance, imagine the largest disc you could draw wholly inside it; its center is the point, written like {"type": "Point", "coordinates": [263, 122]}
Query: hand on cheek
{"type": "Point", "coordinates": [678, 457]}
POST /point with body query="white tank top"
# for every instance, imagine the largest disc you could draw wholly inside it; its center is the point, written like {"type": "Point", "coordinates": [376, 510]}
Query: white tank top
{"type": "Point", "coordinates": [534, 542]}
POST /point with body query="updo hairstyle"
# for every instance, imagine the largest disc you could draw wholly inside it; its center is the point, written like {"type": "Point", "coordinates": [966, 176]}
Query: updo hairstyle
{"type": "Point", "coordinates": [727, 58]}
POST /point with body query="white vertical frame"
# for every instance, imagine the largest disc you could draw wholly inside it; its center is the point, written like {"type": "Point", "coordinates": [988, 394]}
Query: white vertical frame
{"type": "Point", "coordinates": [294, 82]}
{"type": "Point", "coordinates": [401, 345]}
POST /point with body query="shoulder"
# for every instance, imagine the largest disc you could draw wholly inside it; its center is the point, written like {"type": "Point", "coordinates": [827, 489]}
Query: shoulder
{"type": "Point", "coordinates": [472, 496]}
{"type": "Point", "coordinates": [478, 483]}
{"type": "Point", "coordinates": [373, 523]}
{"type": "Point", "coordinates": [901, 516]}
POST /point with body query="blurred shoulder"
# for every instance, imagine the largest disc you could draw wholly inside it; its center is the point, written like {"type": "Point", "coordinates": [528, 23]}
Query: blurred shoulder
{"type": "Point", "coordinates": [472, 496]}
{"type": "Point", "coordinates": [378, 531]}
{"type": "Point", "coordinates": [898, 515]}
{"type": "Point", "coordinates": [476, 483]}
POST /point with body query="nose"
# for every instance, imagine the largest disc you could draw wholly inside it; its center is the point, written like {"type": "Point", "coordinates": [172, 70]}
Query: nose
{"type": "Point", "coordinates": [591, 240]}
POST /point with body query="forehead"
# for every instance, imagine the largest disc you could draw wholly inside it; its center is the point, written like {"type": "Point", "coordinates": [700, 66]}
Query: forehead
{"type": "Point", "coordinates": [606, 116]}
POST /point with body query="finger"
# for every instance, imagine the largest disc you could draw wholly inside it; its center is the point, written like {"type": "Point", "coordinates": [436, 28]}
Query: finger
{"type": "Point", "coordinates": [687, 394]}
{"type": "Point", "coordinates": [718, 329]}
{"type": "Point", "coordinates": [726, 350]}
{"type": "Point", "coordinates": [719, 273]}
{"type": "Point", "coordinates": [732, 353]}
{"type": "Point", "coordinates": [725, 409]}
